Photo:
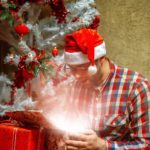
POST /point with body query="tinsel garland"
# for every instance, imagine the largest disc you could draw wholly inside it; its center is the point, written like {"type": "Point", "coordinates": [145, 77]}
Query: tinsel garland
{"type": "Point", "coordinates": [5, 89]}
{"type": "Point", "coordinates": [81, 14]}
{"type": "Point", "coordinates": [76, 19]}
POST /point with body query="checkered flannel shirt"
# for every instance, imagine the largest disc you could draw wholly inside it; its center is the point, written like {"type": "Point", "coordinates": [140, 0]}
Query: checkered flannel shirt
{"type": "Point", "coordinates": [119, 112]}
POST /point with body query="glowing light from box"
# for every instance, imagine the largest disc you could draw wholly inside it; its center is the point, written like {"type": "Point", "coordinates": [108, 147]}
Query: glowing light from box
{"type": "Point", "coordinates": [71, 125]}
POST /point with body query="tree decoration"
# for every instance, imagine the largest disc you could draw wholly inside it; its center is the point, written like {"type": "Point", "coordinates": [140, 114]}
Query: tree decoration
{"type": "Point", "coordinates": [55, 52]}
{"type": "Point", "coordinates": [11, 57]}
{"type": "Point", "coordinates": [95, 23]}
{"type": "Point", "coordinates": [42, 26]}
{"type": "Point", "coordinates": [8, 12]}
{"type": "Point", "coordinates": [22, 29]}
{"type": "Point", "coordinates": [27, 71]}
{"type": "Point", "coordinates": [59, 10]}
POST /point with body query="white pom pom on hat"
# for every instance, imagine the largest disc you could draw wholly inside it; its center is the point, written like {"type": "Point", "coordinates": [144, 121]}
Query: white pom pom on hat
{"type": "Point", "coordinates": [83, 46]}
{"type": "Point", "coordinates": [92, 69]}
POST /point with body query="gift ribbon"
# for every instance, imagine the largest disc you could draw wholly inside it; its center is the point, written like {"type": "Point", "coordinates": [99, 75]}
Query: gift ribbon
{"type": "Point", "coordinates": [39, 138]}
{"type": "Point", "coordinates": [15, 131]}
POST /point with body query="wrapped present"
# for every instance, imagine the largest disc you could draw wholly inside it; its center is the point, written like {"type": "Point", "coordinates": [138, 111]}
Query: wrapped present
{"type": "Point", "coordinates": [54, 137]}
{"type": "Point", "coordinates": [13, 137]}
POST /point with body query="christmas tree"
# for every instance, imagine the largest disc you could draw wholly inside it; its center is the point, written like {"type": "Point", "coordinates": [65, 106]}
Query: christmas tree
{"type": "Point", "coordinates": [32, 36]}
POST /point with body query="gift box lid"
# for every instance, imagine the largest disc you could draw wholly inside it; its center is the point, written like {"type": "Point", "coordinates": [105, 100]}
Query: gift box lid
{"type": "Point", "coordinates": [30, 117]}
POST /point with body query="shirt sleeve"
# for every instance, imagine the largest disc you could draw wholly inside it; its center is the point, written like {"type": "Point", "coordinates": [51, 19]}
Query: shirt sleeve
{"type": "Point", "coordinates": [139, 114]}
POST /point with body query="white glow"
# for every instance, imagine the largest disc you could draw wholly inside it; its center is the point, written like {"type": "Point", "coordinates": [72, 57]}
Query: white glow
{"type": "Point", "coordinates": [71, 125]}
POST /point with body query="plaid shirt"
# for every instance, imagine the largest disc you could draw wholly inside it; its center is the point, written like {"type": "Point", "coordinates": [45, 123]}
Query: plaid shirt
{"type": "Point", "coordinates": [119, 111]}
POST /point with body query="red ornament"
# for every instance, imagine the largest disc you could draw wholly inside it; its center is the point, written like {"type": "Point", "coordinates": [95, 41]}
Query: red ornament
{"type": "Point", "coordinates": [95, 23]}
{"type": "Point", "coordinates": [55, 52]}
{"type": "Point", "coordinates": [22, 29]}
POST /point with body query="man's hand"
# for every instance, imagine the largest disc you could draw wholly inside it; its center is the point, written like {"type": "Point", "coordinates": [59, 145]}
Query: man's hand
{"type": "Point", "coordinates": [87, 140]}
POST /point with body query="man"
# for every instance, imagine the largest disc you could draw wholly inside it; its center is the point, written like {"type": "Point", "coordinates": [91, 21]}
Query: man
{"type": "Point", "coordinates": [116, 99]}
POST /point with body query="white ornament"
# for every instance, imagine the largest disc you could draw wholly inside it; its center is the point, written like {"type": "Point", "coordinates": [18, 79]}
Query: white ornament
{"type": "Point", "coordinates": [11, 56]}
{"type": "Point", "coordinates": [30, 55]}
{"type": "Point", "coordinates": [61, 33]}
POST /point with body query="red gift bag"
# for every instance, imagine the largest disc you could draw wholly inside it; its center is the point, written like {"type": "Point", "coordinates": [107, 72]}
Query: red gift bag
{"type": "Point", "coordinates": [19, 138]}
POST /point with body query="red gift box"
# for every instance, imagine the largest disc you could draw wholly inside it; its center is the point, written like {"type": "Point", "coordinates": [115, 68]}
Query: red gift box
{"type": "Point", "coordinates": [19, 138]}
{"type": "Point", "coordinates": [53, 137]}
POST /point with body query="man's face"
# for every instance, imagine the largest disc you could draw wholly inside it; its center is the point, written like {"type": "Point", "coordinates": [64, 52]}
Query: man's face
{"type": "Point", "coordinates": [81, 71]}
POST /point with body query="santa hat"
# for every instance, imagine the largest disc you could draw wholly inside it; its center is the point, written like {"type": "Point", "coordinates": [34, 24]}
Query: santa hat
{"type": "Point", "coordinates": [83, 46]}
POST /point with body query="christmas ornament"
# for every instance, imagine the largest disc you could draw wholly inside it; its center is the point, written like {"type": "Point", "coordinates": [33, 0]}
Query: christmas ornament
{"type": "Point", "coordinates": [11, 58]}
{"type": "Point", "coordinates": [55, 52]}
{"type": "Point", "coordinates": [30, 55]}
{"type": "Point", "coordinates": [22, 29]}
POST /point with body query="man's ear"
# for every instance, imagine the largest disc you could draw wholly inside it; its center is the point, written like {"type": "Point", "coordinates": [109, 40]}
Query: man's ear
{"type": "Point", "coordinates": [101, 60]}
